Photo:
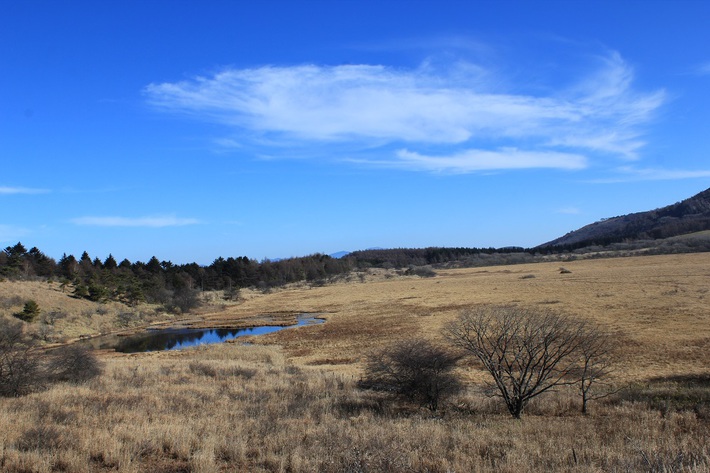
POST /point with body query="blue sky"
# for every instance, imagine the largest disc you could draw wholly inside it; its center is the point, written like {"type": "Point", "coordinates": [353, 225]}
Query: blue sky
{"type": "Point", "coordinates": [192, 130]}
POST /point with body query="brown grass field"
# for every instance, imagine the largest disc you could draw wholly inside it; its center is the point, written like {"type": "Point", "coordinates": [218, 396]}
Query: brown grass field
{"type": "Point", "coordinates": [290, 402]}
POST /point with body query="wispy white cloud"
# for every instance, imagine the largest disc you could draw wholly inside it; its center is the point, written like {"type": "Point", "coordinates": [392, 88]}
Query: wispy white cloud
{"type": "Point", "coordinates": [151, 221]}
{"type": "Point", "coordinates": [475, 160]}
{"type": "Point", "coordinates": [459, 106]}
{"type": "Point", "coordinates": [631, 174]}
{"type": "Point", "coordinates": [12, 233]}
{"type": "Point", "coordinates": [6, 190]}
{"type": "Point", "coordinates": [703, 69]}
{"type": "Point", "coordinates": [569, 211]}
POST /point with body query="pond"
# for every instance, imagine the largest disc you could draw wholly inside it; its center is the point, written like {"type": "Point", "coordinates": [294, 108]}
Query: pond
{"type": "Point", "coordinates": [178, 338]}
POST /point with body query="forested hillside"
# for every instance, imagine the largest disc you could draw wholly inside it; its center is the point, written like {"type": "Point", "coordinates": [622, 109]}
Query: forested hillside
{"type": "Point", "coordinates": [688, 216]}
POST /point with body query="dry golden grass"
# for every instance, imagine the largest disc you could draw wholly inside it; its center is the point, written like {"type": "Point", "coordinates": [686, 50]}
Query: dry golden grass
{"type": "Point", "coordinates": [74, 317]}
{"type": "Point", "coordinates": [658, 305]}
{"type": "Point", "coordinates": [246, 408]}
{"type": "Point", "coordinates": [295, 407]}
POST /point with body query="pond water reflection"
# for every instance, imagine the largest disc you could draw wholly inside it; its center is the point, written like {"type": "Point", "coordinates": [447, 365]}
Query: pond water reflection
{"type": "Point", "coordinates": [178, 338]}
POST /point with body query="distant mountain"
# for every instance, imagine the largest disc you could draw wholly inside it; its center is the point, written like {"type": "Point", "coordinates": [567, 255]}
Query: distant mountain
{"type": "Point", "coordinates": [339, 254]}
{"type": "Point", "coordinates": [688, 216]}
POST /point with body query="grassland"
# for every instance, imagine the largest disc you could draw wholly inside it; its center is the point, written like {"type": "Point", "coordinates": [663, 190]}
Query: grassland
{"type": "Point", "coordinates": [290, 403]}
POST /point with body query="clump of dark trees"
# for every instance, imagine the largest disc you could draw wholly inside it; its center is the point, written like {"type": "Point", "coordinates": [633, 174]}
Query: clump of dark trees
{"type": "Point", "coordinates": [526, 353]}
{"type": "Point", "coordinates": [174, 286]}
{"type": "Point", "coordinates": [25, 367]}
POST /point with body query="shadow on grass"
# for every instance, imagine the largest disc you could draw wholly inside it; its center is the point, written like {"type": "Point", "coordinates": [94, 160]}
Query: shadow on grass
{"type": "Point", "coordinates": [687, 392]}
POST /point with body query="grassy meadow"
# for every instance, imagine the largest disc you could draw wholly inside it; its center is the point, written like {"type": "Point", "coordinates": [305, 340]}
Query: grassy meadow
{"type": "Point", "coordinates": [289, 401]}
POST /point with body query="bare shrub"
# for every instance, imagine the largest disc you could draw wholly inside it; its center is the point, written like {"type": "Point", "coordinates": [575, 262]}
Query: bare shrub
{"type": "Point", "coordinates": [20, 369]}
{"type": "Point", "coordinates": [74, 364]}
{"type": "Point", "coordinates": [52, 316]}
{"type": "Point", "coordinates": [125, 319]}
{"type": "Point", "coordinates": [102, 310]}
{"type": "Point", "coordinates": [246, 373]}
{"type": "Point", "coordinates": [526, 352]}
{"type": "Point", "coordinates": [421, 271]}
{"type": "Point", "coordinates": [184, 301]}
{"type": "Point", "coordinates": [10, 302]}
{"type": "Point", "coordinates": [203, 369]}
{"type": "Point", "coordinates": [414, 369]}
{"type": "Point", "coordinates": [44, 332]}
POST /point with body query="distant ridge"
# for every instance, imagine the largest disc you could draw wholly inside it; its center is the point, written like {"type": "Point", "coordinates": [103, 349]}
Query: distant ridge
{"type": "Point", "coordinates": [688, 216]}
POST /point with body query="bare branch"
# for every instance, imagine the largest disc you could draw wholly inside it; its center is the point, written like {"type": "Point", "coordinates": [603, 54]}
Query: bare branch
{"type": "Point", "coordinates": [526, 352]}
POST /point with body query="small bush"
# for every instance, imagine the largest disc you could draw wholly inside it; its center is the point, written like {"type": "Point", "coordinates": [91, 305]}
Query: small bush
{"type": "Point", "coordinates": [44, 332]}
{"type": "Point", "coordinates": [52, 316]}
{"type": "Point", "coordinates": [29, 312]}
{"type": "Point", "coordinates": [184, 301]}
{"type": "Point", "coordinates": [102, 310]}
{"type": "Point", "coordinates": [73, 364]}
{"type": "Point", "coordinates": [246, 373]}
{"type": "Point", "coordinates": [20, 368]}
{"type": "Point", "coordinates": [413, 369]}
{"type": "Point", "coordinates": [421, 271]}
{"type": "Point", "coordinates": [9, 302]}
{"type": "Point", "coordinates": [125, 319]}
{"type": "Point", "coordinates": [203, 369]}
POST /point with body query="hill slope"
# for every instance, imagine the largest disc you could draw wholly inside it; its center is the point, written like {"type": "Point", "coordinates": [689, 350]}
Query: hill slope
{"type": "Point", "coordinates": [688, 216]}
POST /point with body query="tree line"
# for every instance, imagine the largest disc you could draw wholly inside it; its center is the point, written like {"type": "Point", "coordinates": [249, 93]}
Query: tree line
{"type": "Point", "coordinates": [175, 285]}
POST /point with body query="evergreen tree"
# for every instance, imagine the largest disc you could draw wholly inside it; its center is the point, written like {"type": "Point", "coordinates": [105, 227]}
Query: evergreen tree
{"type": "Point", "coordinates": [29, 312]}
{"type": "Point", "coordinates": [110, 263]}
{"type": "Point", "coordinates": [68, 266]}
{"type": "Point", "coordinates": [154, 266]}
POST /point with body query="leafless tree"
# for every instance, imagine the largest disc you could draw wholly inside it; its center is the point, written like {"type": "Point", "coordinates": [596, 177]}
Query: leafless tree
{"type": "Point", "coordinates": [596, 355]}
{"type": "Point", "coordinates": [414, 369]}
{"type": "Point", "coordinates": [526, 352]}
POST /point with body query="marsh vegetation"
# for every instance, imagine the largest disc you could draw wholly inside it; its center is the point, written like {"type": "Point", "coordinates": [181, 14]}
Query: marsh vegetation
{"type": "Point", "coordinates": [293, 401]}
{"type": "Point", "coordinates": [235, 408]}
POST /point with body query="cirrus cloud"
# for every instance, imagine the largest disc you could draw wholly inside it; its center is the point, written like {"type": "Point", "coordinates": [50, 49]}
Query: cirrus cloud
{"type": "Point", "coordinates": [633, 174]}
{"type": "Point", "coordinates": [12, 232]}
{"type": "Point", "coordinates": [8, 190]}
{"type": "Point", "coordinates": [703, 69]}
{"type": "Point", "coordinates": [151, 221]}
{"type": "Point", "coordinates": [483, 160]}
{"type": "Point", "coordinates": [460, 107]}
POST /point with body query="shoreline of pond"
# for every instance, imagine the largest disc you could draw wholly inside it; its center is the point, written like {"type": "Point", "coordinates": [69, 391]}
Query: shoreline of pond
{"type": "Point", "coordinates": [255, 326]}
